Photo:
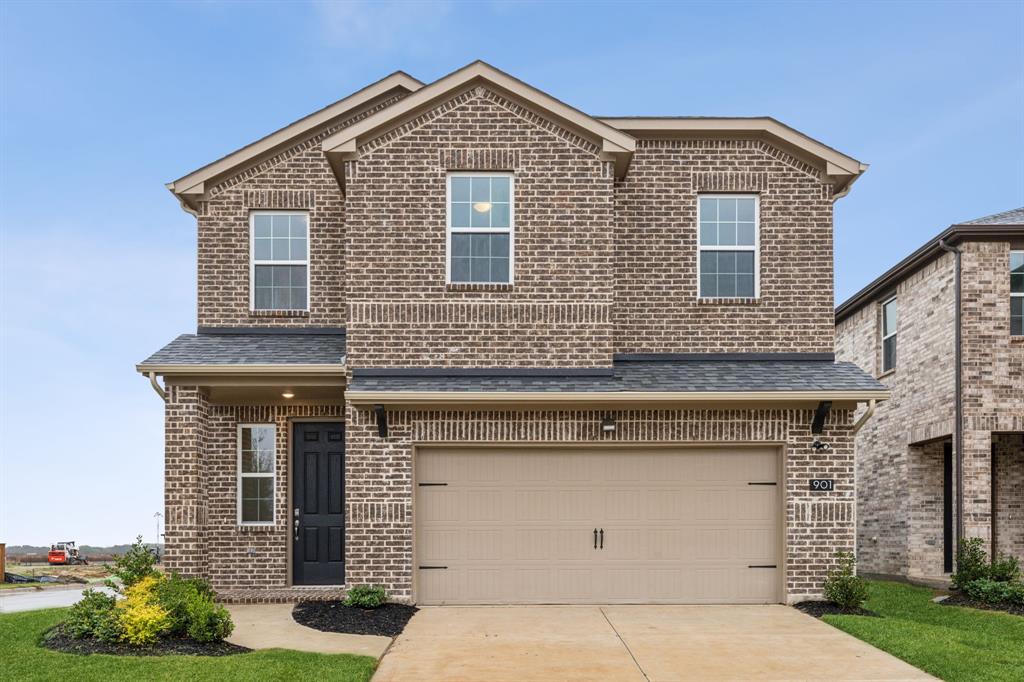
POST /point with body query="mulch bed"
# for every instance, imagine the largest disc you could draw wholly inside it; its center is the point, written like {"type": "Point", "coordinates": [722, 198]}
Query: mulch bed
{"type": "Point", "coordinates": [333, 616]}
{"type": "Point", "coordinates": [827, 608]}
{"type": "Point", "coordinates": [956, 599]}
{"type": "Point", "coordinates": [58, 640]}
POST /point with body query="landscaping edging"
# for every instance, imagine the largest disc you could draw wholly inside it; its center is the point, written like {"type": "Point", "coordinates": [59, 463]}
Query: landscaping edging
{"type": "Point", "coordinates": [57, 640]}
{"type": "Point", "coordinates": [817, 609]}
{"type": "Point", "coordinates": [333, 616]}
{"type": "Point", "coordinates": [957, 599]}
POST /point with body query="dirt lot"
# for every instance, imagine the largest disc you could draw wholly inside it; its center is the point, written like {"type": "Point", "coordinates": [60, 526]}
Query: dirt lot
{"type": "Point", "coordinates": [90, 573]}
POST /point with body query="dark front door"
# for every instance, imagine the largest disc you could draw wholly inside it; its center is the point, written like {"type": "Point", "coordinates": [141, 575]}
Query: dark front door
{"type": "Point", "coordinates": [318, 500]}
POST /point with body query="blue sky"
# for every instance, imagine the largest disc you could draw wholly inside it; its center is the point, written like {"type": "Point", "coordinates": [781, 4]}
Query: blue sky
{"type": "Point", "coordinates": [102, 103]}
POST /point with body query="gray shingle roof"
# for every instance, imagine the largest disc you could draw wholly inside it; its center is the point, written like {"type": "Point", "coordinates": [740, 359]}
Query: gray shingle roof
{"type": "Point", "coordinates": [251, 349]}
{"type": "Point", "coordinates": [680, 376]}
{"type": "Point", "coordinates": [1011, 217]}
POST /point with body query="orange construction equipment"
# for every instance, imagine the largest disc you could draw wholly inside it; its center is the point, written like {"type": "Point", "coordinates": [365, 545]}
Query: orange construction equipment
{"type": "Point", "coordinates": [63, 554]}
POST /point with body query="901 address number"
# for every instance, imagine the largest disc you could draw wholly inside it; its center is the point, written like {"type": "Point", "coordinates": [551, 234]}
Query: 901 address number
{"type": "Point", "coordinates": [823, 484]}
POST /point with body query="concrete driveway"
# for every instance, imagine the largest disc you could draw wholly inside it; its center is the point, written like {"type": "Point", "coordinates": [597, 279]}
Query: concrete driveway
{"type": "Point", "coordinates": [12, 601]}
{"type": "Point", "coordinates": [641, 643]}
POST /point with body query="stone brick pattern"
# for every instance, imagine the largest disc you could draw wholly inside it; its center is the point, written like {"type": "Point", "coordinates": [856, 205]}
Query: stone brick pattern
{"type": "Point", "coordinates": [204, 536]}
{"type": "Point", "coordinates": [296, 178]}
{"type": "Point", "coordinates": [380, 475]}
{"type": "Point", "coordinates": [899, 450]}
{"type": "Point", "coordinates": [556, 313]}
{"type": "Point", "coordinates": [1009, 494]}
{"type": "Point", "coordinates": [657, 308]}
{"type": "Point", "coordinates": [921, 409]}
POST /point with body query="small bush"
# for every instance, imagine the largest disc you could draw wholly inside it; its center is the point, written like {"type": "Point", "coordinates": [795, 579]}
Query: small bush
{"type": "Point", "coordinates": [843, 587]}
{"type": "Point", "coordinates": [1004, 569]}
{"type": "Point", "coordinates": [366, 596]}
{"type": "Point", "coordinates": [971, 562]}
{"type": "Point", "coordinates": [995, 591]}
{"type": "Point", "coordinates": [142, 618]}
{"type": "Point", "coordinates": [94, 616]}
{"type": "Point", "coordinates": [174, 593]}
{"type": "Point", "coordinates": [137, 563]}
{"type": "Point", "coordinates": [207, 620]}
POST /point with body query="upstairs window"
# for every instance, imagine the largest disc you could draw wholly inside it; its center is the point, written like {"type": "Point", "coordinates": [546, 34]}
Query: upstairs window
{"type": "Point", "coordinates": [889, 335]}
{"type": "Point", "coordinates": [280, 261]}
{"type": "Point", "coordinates": [1017, 293]}
{"type": "Point", "coordinates": [256, 446]}
{"type": "Point", "coordinates": [480, 228]}
{"type": "Point", "coordinates": [728, 259]}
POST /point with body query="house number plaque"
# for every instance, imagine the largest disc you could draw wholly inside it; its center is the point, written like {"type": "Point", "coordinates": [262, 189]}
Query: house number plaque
{"type": "Point", "coordinates": [822, 484]}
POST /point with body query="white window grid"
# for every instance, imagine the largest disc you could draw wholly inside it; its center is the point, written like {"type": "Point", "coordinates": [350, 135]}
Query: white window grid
{"type": "Point", "coordinates": [510, 230]}
{"type": "Point", "coordinates": [253, 262]}
{"type": "Point", "coordinates": [889, 333]}
{"type": "Point", "coordinates": [272, 475]}
{"type": "Point", "coordinates": [1019, 294]}
{"type": "Point", "coordinates": [755, 248]}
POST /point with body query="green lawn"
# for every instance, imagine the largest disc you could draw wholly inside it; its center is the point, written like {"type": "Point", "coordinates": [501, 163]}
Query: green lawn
{"type": "Point", "coordinates": [949, 642]}
{"type": "Point", "coordinates": [22, 659]}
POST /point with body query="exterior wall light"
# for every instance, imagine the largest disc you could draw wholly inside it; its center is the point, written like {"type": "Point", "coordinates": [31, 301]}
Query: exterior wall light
{"type": "Point", "coordinates": [608, 425]}
{"type": "Point", "coordinates": [288, 394]}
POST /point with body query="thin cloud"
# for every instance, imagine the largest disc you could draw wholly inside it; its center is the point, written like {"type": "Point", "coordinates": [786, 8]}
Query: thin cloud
{"type": "Point", "coordinates": [382, 26]}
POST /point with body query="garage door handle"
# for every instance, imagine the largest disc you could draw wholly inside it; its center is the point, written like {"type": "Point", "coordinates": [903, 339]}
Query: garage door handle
{"type": "Point", "coordinates": [763, 566]}
{"type": "Point", "coordinates": [602, 538]}
{"type": "Point", "coordinates": [595, 538]}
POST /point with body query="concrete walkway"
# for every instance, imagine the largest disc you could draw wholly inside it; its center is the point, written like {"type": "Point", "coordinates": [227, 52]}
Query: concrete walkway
{"type": "Point", "coordinates": [271, 626]}
{"type": "Point", "coordinates": [631, 643]}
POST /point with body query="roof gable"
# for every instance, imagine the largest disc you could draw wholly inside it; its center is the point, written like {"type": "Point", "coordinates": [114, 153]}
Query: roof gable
{"type": "Point", "coordinates": [615, 145]}
{"type": "Point", "coordinates": [194, 185]}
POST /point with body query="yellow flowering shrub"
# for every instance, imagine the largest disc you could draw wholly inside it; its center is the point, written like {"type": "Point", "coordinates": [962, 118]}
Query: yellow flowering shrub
{"type": "Point", "coordinates": [142, 618]}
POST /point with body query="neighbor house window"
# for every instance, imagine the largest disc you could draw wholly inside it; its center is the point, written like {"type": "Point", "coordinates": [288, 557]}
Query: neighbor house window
{"type": "Point", "coordinates": [1017, 293]}
{"type": "Point", "coordinates": [480, 228]}
{"type": "Point", "coordinates": [280, 260]}
{"type": "Point", "coordinates": [889, 335]}
{"type": "Point", "coordinates": [256, 473]}
{"type": "Point", "coordinates": [727, 263]}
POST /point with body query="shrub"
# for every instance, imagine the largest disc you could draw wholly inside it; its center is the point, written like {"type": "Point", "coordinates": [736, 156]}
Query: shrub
{"type": "Point", "coordinates": [136, 564]}
{"type": "Point", "coordinates": [207, 620]}
{"type": "Point", "coordinates": [366, 596]}
{"type": "Point", "coordinates": [843, 587]}
{"type": "Point", "coordinates": [94, 616]}
{"type": "Point", "coordinates": [1005, 569]}
{"type": "Point", "coordinates": [142, 618]}
{"type": "Point", "coordinates": [174, 593]}
{"type": "Point", "coordinates": [971, 562]}
{"type": "Point", "coordinates": [995, 591]}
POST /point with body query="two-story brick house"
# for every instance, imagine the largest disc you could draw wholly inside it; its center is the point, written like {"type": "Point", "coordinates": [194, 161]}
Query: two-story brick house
{"type": "Point", "coordinates": [958, 301]}
{"type": "Point", "coordinates": [467, 342]}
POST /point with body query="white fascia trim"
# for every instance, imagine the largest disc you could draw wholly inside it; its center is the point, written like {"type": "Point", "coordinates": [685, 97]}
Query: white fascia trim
{"type": "Point", "coordinates": [166, 370]}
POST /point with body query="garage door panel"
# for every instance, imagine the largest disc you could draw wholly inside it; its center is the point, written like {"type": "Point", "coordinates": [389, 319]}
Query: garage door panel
{"type": "Point", "coordinates": [516, 526]}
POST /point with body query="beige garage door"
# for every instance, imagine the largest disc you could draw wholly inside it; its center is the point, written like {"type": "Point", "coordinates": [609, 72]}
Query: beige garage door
{"type": "Point", "coordinates": [516, 526]}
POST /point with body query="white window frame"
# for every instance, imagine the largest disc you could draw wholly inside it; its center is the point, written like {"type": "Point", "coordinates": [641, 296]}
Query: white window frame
{"type": "Point", "coordinates": [756, 248]}
{"type": "Point", "coordinates": [891, 334]}
{"type": "Point", "coordinates": [239, 476]}
{"type": "Point", "coordinates": [1015, 295]}
{"type": "Point", "coordinates": [253, 263]}
{"type": "Point", "coordinates": [510, 230]}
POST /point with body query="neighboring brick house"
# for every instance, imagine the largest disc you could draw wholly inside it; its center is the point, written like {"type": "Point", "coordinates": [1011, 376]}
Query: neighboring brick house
{"type": "Point", "coordinates": [469, 343]}
{"type": "Point", "coordinates": [903, 328]}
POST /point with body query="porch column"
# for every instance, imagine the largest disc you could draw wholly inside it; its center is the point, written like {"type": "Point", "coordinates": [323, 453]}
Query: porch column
{"type": "Point", "coordinates": [185, 435]}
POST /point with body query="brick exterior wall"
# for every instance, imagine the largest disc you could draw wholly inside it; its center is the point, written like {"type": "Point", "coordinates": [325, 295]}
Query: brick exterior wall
{"type": "Point", "coordinates": [900, 449]}
{"type": "Point", "coordinates": [656, 303]}
{"type": "Point", "coordinates": [600, 267]}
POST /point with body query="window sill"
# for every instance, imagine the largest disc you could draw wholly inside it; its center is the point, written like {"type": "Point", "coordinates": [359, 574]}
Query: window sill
{"type": "Point", "coordinates": [257, 527]}
{"type": "Point", "coordinates": [1017, 340]}
{"type": "Point", "coordinates": [477, 286]}
{"type": "Point", "coordinates": [279, 313]}
{"type": "Point", "coordinates": [886, 373]}
{"type": "Point", "coordinates": [728, 301]}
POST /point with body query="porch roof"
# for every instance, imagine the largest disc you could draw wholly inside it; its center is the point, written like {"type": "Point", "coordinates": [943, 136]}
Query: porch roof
{"type": "Point", "coordinates": [241, 350]}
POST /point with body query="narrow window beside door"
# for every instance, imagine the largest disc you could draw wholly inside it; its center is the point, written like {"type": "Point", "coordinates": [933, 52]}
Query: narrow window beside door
{"type": "Point", "coordinates": [256, 461]}
{"type": "Point", "coordinates": [889, 335]}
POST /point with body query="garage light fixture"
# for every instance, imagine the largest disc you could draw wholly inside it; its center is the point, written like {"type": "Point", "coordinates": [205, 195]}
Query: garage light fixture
{"type": "Point", "coordinates": [288, 395]}
{"type": "Point", "coordinates": [608, 425]}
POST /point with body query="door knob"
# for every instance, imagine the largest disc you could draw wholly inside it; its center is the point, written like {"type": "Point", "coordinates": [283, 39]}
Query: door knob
{"type": "Point", "coordinates": [296, 524]}
{"type": "Point", "coordinates": [595, 538]}
{"type": "Point", "coordinates": [602, 538]}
